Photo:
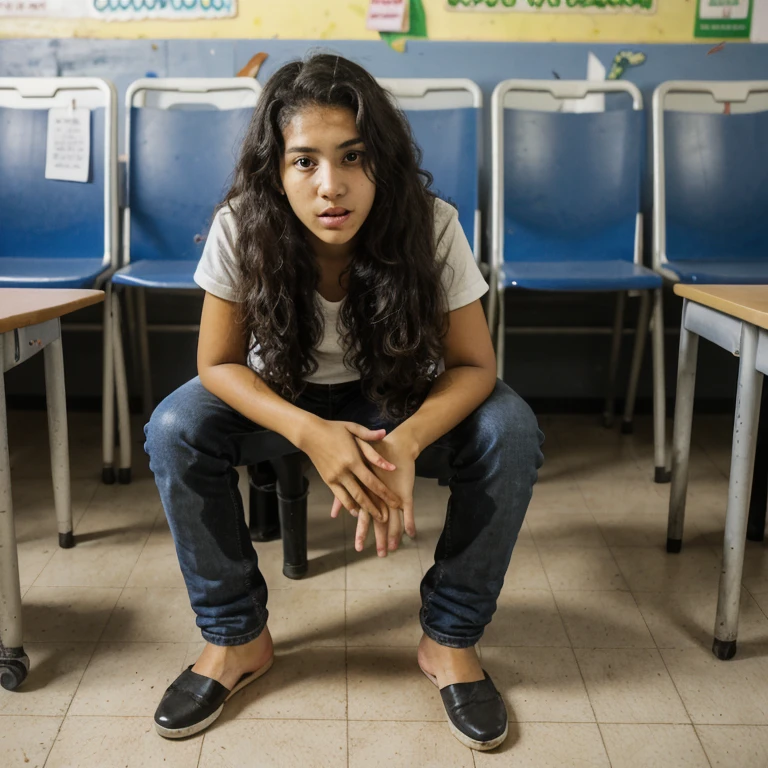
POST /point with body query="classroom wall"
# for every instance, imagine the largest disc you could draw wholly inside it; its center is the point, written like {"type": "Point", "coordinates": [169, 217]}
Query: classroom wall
{"type": "Point", "coordinates": [672, 22]}
{"type": "Point", "coordinates": [537, 363]}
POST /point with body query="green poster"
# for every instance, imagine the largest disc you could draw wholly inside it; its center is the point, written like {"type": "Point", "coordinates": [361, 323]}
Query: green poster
{"type": "Point", "coordinates": [723, 18]}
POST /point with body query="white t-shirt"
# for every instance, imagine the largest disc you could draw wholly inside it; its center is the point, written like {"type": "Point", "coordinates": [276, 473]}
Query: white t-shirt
{"type": "Point", "coordinates": [217, 274]}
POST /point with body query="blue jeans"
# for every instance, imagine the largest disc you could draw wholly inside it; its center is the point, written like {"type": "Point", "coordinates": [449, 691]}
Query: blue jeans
{"type": "Point", "coordinates": [490, 460]}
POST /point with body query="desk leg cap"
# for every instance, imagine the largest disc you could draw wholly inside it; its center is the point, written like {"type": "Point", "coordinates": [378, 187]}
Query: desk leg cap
{"type": "Point", "coordinates": [108, 475]}
{"type": "Point", "coordinates": [295, 571]}
{"type": "Point", "coordinates": [124, 475]}
{"type": "Point", "coordinates": [662, 475]}
{"type": "Point", "coordinates": [724, 649]}
{"type": "Point", "coordinates": [67, 540]}
{"type": "Point", "coordinates": [674, 546]}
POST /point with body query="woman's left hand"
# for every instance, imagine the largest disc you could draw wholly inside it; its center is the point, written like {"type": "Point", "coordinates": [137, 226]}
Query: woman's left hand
{"type": "Point", "coordinates": [398, 452]}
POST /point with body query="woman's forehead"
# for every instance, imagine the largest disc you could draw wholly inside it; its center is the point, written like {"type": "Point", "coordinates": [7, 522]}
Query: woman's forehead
{"type": "Point", "coordinates": [319, 125]}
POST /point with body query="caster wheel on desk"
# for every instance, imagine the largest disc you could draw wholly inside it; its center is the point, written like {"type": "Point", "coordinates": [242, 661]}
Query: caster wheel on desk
{"type": "Point", "coordinates": [13, 672]}
{"type": "Point", "coordinates": [662, 475]}
{"type": "Point", "coordinates": [724, 649]}
{"type": "Point", "coordinates": [628, 428]}
{"type": "Point", "coordinates": [108, 475]}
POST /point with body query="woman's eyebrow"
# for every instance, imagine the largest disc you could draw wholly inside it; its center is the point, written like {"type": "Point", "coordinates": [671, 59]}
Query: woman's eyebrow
{"type": "Point", "coordinates": [344, 145]}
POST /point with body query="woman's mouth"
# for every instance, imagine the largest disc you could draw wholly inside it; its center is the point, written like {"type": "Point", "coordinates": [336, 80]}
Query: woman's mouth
{"type": "Point", "coordinates": [333, 218]}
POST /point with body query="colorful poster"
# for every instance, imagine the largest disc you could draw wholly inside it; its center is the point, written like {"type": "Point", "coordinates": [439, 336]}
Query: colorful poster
{"type": "Point", "coordinates": [723, 18]}
{"type": "Point", "coordinates": [130, 10]}
{"type": "Point", "coordinates": [553, 6]}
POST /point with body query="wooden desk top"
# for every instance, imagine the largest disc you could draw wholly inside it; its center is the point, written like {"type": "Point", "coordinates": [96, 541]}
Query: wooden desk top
{"type": "Point", "coordinates": [20, 307]}
{"type": "Point", "coordinates": [746, 302]}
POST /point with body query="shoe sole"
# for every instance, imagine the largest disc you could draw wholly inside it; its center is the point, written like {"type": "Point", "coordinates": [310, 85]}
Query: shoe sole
{"type": "Point", "coordinates": [191, 730]}
{"type": "Point", "coordinates": [480, 746]}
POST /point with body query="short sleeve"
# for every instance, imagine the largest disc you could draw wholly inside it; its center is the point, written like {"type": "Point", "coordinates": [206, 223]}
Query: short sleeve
{"type": "Point", "coordinates": [216, 272]}
{"type": "Point", "coordinates": [461, 278]}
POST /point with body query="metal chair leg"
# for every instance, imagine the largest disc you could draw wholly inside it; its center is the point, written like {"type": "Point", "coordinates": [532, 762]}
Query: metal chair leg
{"type": "Point", "coordinates": [14, 662]}
{"type": "Point", "coordinates": [133, 336]}
{"type": "Point", "coordinates": [661, 473]}
{"type": "Point", "coordinates": [681, 435]}
{"type": "Point", "coordinates": [501, 329]}
{"type": "Point", "coordinates": [146, 375]}
{"type": "Point", "coordinates": [58, 437]}
{"type": "Point", "coordinates": [742, 462]}
{"type": "Point", "coordinates": [613, 366]}
{"type": "Point", "coordinates": [108, 392]}
{"type": "Point", "coordinates": [121, 385]}
{"type": "Point", "coordinates": [641, 334]}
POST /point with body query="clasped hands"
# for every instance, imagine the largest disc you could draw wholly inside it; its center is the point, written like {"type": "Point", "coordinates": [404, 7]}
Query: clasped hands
{"type": "Point", "coordinates": [374, 484]}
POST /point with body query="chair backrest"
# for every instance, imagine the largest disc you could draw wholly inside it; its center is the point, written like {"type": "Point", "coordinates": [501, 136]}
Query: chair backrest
{"type": "Point", "coordinates": [710, 161]}
{"type": "Point", "coordinates": [444, 114]}
{"type": "Point", "coordinates": [46, 218]}
{"type": "Point", "coordinates": [565, 185]}
{"type": "Point", "coordinates": [183, 136]}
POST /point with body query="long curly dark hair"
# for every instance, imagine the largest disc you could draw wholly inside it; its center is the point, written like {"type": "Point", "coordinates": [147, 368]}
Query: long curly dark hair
{"type": "Point", "coordinates": [394, 318]}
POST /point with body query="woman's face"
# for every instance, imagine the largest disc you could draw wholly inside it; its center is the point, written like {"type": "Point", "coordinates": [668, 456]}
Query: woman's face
{"type": "Point", "coordinates": [324, 179]}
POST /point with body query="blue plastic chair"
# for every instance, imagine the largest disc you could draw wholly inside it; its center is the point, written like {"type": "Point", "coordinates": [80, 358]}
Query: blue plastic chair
{"type": "Point", "coordinates": [182, 136]}
{"type": "Point", "coordinates": [566, 205]}
{"type": "Point", "coordinates": [63, 234]}
{"type": "Point", "coordinates": [710, 182]}
{"type": "Point", "coordinates": [444, 114]}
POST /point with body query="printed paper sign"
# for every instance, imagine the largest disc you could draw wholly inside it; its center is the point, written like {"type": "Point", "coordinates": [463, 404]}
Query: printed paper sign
{"type": "Point", "coordinates": [49, 8]}
{"type": "Point", "coordinates": [553, 6]}
{"type": "Point", "coordinates": [593, 102]}
{"type": "Point", "coordinates": [68, 150]}
{"type": "Point", "coordinates": [723, 18]}
{"type": "Point", "coordinates": [388, 15]}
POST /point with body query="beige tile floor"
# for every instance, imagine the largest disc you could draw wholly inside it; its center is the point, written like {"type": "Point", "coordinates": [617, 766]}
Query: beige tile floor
{"type": "Point", "coordinates": [600, 645]}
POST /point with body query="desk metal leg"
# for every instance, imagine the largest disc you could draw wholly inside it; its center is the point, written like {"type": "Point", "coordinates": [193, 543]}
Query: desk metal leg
{"type": "Point", "coordinates": [739, 487]}
{"type": "Point", "coordinates": [108, 393]}
{"type": "Point", "coordinates": [681, 435]}
{"type": "Point", "coordinates": [14, 663]}
{"type": "Point", "coordinates": [121, 388]}
{"type": "Point", "coordinates": [58, 436]}
{"type": "Point", "coordinates": [501, 332]}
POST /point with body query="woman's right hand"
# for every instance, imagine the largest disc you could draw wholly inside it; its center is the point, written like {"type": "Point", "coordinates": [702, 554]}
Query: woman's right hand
{"type": "Point", "coordinates": [339, 450]}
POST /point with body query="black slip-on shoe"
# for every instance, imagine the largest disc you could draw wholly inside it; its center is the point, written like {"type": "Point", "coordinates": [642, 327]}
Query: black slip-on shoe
{"type": "Point", "coordinates": [192, 702]}
{"type": "Point", "coordinates": [476, 713]}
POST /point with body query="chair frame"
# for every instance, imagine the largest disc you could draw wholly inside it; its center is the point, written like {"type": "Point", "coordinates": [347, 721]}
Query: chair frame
{"type": "Point", "coordinates": [560, 90]}
{"type": "Point", "coordinates": [724, 91]}
{"type": "Point", "coordinates": [50, 92]}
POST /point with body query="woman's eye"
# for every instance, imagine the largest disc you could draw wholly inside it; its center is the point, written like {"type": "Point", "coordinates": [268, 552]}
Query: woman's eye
{"type": "Point", "coordinates": [352, 157]}
{"type": "Point", "coordinates": [303, 162]}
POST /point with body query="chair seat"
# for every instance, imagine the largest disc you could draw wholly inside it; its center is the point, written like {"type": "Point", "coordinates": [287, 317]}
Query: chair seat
{"type": "Point", "coordinates": [158, 274]}
{"type": "Point", "coordinates": [720, 272]}
{"type": "Point", "coordinates": [49, 273]}
{"type": "Point", "coordinates": [579, 276]}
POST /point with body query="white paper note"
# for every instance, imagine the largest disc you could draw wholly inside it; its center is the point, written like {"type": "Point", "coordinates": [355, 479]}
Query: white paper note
{"type": "Point", "coordinates": [593, 102]}
{"type": "Point", "coordinates": [388, 16]}
{"type": "Point", "coordinates": [68, 150]}
{"type": "Point", "coordinates": [760, 21]}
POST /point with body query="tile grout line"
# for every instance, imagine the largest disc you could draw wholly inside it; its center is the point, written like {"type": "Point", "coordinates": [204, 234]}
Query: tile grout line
{"type": "Point", "coordinates": [573, 652]}
{"type": "Point", "coordinates": [98, 640]}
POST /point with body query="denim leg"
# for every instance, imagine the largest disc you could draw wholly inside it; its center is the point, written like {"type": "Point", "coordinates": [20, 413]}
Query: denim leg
{"type": "Point", "coordinates": [491, 459]}
{"type": "Point", "coordinates": [195, 441]}
{"type": "Point", "coordinates": [494, 455]}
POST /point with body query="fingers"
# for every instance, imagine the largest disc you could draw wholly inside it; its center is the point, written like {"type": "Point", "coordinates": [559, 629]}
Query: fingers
{"type": "Point", "coordinates": [358, 430]}
{"type": "Point", "coordinates": [394, 529]}
{"type": "Point", "coordinates": [336, 508]}
{"type": "Point", "coordinates": [380, 531]}
{"type": "Point", "coordinates": [375, 458]}
{"type": "Point", "coordinates": [410, 519]}
{"type": "Point", "coordinates": [361, 532]}
{"type": "Point", "coordinates": [357, 498]}
{"type": "Point", "coordinates": [375, 485]}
